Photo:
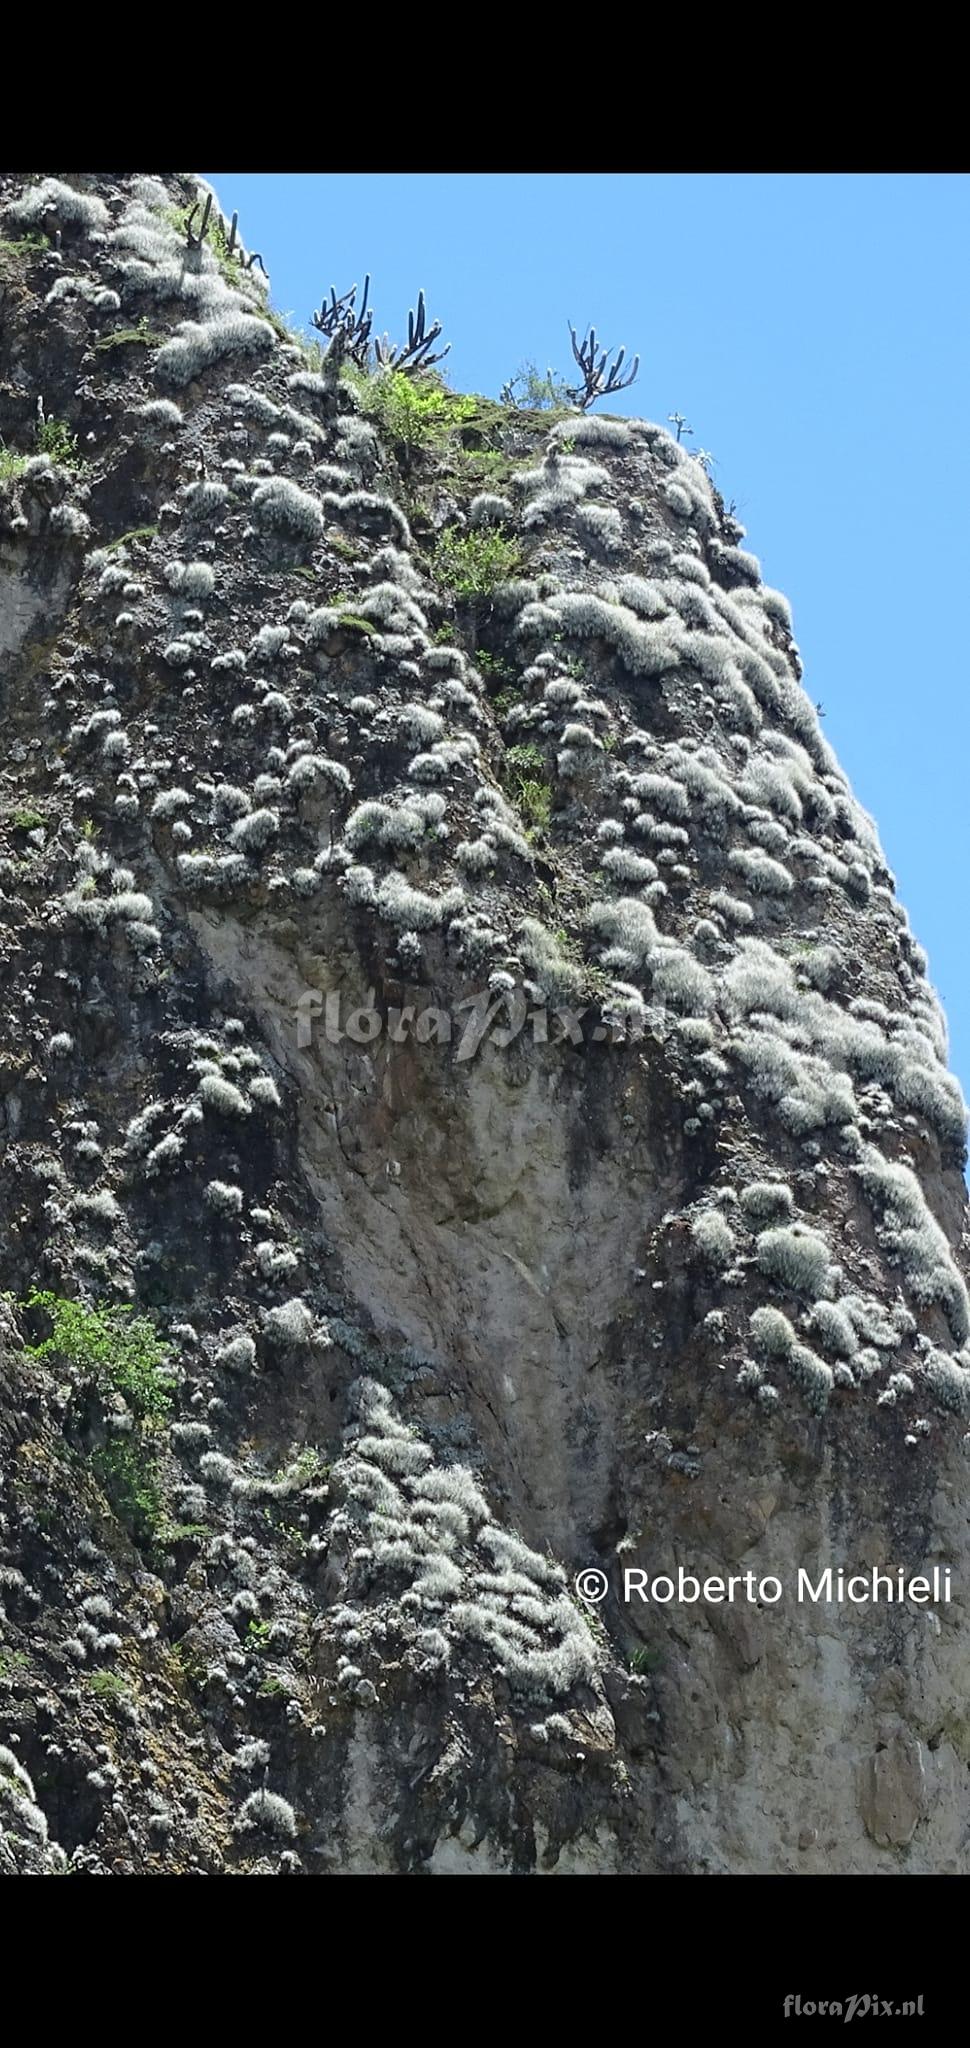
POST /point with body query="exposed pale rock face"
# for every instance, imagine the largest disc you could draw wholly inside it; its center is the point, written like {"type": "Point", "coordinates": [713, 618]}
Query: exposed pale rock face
{"type": "Point", "coordinates": [635, 1244]}
{"type": "Point", "coordinates": [894, 1796]}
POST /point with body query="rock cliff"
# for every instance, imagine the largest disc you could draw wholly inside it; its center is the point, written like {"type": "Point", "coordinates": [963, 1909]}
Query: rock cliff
{"type": "Point", "coordinates": [473, 1114]}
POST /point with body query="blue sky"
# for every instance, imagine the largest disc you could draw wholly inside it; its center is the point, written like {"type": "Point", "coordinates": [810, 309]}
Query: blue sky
{"type": "Point", "coordinates": [815, 329]}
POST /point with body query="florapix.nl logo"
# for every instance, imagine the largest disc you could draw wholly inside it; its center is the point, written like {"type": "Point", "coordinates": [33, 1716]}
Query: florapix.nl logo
{"type": "Point", "coordinates": [499, 1016]}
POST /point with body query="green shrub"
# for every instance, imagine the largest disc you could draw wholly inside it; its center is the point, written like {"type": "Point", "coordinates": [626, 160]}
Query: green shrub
{"type": "Point", "coordinates": [530, 391]}
{"type": "Point", "coordinates": [106, 1685]}
{"type": "Point", "coordinates": [54, 438]}
{"type": "Point", "coordinates": [472, 564]}
{"type": "Point", "coordinates": [493, 666]}
{"type": "Point", "coordinates": [171, 1533]}
{"type": "Point", "coordinates": [352, 624]}
{"type": "Point", "coordinates": [506, 700]}
{"type": "Point", "coordinates": [11, 464]}
{"type": "Point", "coordinates": [415, 413]}
{"type": "Point", "coordinates": [525, 782]}
{"type": "Point", "coordinates": [306, 1466]}
{"type": "Point", "coordinates": [130, 539]}
{"type": "Point", "coordinates": [644, 1660]}
{"type": "Point", "coordinates": [535, 803]}
{"type": "Point", "coordinates": [32, 244]}
{"type": "Point", "coordinates": [270, 1688]}
{"type": "Point", "coordinates": [488, 465]}
{"type": "Point", "coordinates": [119, 1350]}
{"type": "Point", "coordinates": [127, 1471]}
{"type": "Point", "coordinates": [124, 337]}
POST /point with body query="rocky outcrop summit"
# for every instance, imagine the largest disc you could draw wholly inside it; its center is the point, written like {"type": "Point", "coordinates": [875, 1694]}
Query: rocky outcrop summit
{"type": "Point", "coordinates": [474, 1115]}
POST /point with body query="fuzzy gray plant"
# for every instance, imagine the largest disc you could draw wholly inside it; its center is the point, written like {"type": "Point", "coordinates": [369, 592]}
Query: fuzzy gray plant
{"type": "Point", "coordinates": [161, 412]}
{"type": "Point", "coordinates": [196, 346]}
{"type": "Point", "coordinates": [761, 874]}
{"type": "Point", "coordinates": [644, 649]}
{"type": "Point", "coordinates": [369, 509]}
{"type": "Point", "coordinates": [414, 909]}
{"type": "Point", "coordinates": [203, 499]}
{"type": "Point", "coordinates": [60, 203]}
{"type": "Point", "coordinates": [767, 1201]}
{"type": "Point", "coordinates": [280, 506]}
{"type": "Point", "coordinates": [193, 580]}
{"type": "Point", "coordinates": [913, 1238]}
{"type": "Point", "coordinates": [714, 1238]}
{"type": "Point", "coordinates": [593, 431]}
{"type": "Point", "coordinates": [389, 827]}
{"type": "Point", "coordinates": [267, 1813]}
{"type": "Point", "coordinates": [601, 525]}
{"type": "Point", "coordinates": [559, 979]}
{"type": "Point", "coordinates": [489, 509]}
{"type": "Point", "coordinates": [254, 833]}
{"type": "Point", "coordinates": [796, 1257]}
{"type": "Point", "coordinates": [290, 1326]}
{"type": "Point", "coordinates": [222, 1096]}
